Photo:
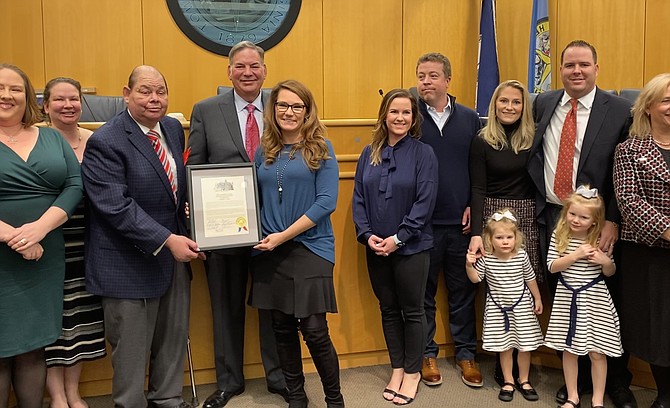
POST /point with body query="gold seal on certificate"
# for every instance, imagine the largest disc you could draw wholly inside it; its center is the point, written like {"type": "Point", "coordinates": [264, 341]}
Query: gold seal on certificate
{"type": "Point", "coordinates": [224, 205]}
{"type": "Point", "coordinates": [242, 224]}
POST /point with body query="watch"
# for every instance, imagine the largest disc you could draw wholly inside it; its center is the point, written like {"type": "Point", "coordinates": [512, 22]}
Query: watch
{"type": "Point", "coordinates": [218, 25]}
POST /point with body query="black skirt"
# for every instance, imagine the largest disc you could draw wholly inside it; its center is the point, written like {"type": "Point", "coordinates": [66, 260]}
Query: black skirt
{"type": "Point", "coordinates": [645, 302]}
{"type": "Point", "coordinates": [294, 280]}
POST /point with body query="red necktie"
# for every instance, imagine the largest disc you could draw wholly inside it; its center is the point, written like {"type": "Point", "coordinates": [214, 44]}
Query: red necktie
{"type": "Point", "coordinates": [252, 137]}
{"type": "Point", "coordinates": [566, 154]}
{"type": "Point", "coordinates": [163, 157]}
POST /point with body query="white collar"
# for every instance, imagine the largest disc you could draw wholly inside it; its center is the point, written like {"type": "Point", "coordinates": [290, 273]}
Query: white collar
{"type": "Point", "coordinates": [586, 100]}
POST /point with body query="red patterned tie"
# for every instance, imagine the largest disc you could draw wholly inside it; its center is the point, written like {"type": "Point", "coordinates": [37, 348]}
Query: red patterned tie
{"type": "Point", "coordinates": [566, 154]}
{"type": "Point", "coordinates": [252, 137]}
{"type": "Point", "coordinates": [154, 138]}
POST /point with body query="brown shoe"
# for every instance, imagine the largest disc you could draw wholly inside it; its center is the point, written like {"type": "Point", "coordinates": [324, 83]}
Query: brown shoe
{"type": "Point", "coordinates": [430, 374]}
{"type": "Point", "coordinates": [470, 373]}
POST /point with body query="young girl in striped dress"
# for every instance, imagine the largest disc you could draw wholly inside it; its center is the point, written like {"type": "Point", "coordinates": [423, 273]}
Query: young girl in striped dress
{"type": "Point", "coordinates": [512, 300]}
{"type": "Point", "coordinates": [583, 318]}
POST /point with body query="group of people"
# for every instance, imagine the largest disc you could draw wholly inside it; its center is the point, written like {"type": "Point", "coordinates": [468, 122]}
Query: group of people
{"type": "Point", "coordinates": [137, 251]}
{"type": "Point", "coordinates": [531, 202]}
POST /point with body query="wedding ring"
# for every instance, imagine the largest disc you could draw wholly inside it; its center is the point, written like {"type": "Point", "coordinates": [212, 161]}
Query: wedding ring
{"type": "Point", "coordinates": [22, 241]}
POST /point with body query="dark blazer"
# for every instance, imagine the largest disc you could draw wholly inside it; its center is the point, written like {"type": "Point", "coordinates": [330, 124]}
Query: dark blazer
{"type": "Point", "coordinates": [607, 126]}
{"type": "Point", "coordinates": [214, 135]}
{"type": "Point", "coordinates": [132, 211]}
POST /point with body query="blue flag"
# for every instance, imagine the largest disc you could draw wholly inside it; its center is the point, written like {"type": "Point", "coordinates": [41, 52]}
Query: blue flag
{"type": "Point", "coordinates": [539, 55]}
{"type": "Point", "coordinates": [488, 75]}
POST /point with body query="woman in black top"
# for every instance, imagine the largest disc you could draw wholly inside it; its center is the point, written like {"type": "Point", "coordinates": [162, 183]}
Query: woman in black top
{"type": "Point", "coordinates": [499, 178]}
{"type": "Point", "coordinates": [498, 160]}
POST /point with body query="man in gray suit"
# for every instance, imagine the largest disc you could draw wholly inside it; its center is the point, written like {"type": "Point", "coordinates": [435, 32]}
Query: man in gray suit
{"type": "Point", "coordinates": [223, 129]}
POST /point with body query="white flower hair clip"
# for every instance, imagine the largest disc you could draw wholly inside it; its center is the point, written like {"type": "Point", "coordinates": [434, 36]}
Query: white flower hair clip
{"type": "Point", "coordinates": [497, 216]}
{"type": "Point", "coordinates": [587, 192]}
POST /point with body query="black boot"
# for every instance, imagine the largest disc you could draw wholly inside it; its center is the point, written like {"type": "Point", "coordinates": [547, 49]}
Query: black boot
{"type": "Point", "coordinates": [290, 357]}
{"type": "Point", "coordinates": [325, 360]}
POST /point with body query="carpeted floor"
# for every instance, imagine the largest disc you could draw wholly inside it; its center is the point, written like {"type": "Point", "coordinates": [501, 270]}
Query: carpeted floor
{"type": "Point", "coordinates": [362, 388]}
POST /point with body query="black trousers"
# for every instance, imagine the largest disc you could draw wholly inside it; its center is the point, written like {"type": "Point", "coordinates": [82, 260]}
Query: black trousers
{"type": "Point", "coordinates": [399, 282]}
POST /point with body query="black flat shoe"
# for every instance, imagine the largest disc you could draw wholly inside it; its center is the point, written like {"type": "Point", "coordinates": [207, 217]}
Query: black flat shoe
{"type": "Point", "coordinates": [562, 393]}
{"type": "Point", "coordinates": [506, 395]}
{"type": "Point", "coordinates": [528, 393]}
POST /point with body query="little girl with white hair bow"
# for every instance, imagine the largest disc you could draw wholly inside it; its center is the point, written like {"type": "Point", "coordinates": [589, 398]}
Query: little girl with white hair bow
{"type": "Point", "coordinates": [583, 318]}
{"type": "Point", "coordinates": [512, 300]}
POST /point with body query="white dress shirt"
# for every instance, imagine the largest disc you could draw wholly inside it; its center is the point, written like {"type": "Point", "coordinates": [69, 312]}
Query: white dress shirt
{"type": "Point", "coordinates": [552, 140]}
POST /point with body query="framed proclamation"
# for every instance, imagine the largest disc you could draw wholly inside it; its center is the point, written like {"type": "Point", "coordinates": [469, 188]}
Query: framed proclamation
{"type": "Point", "coordinates": [224, 209]}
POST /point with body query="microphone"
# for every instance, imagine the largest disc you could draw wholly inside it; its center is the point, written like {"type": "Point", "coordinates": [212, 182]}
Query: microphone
{"type": "Point", "coordinates": [381, 93]}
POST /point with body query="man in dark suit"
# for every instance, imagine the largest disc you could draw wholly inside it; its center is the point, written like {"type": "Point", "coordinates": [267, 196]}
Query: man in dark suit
{"type": "Point", "coordinates": [137, 253]}
{"type": "Point", "coordinates": [218, 134]}
{"type": "Point", "coordinates": [602, 122]}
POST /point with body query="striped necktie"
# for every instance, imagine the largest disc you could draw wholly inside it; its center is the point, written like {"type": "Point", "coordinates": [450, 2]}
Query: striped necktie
{"type": "Point", "coordinates": [154, 138]}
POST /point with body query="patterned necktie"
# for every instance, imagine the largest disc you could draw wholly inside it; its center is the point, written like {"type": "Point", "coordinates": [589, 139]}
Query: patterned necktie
{"type": "Point", "coordinates": [252, 137]}
{"type": "Point", "coordinates": [566, 154]}
{"type": "Point", "coordinates": [154, 138]}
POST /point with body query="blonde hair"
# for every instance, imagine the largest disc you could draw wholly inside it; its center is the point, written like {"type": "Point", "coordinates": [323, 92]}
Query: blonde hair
{"type": "Point", "coordinates": [313, 145]}
{"type": "Point", "coordinates": [563, 232]}
{"type": "Point", "coordinates": [380, 131]}
{"type": "Point", "coordinates": [494, 133]}
{"type": "Point", "coordinates": [492, 224]}
{"type": "Point", "coordinates": [652, 92]}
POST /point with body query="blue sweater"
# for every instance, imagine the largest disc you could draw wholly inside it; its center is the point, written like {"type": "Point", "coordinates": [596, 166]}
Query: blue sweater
{"type": "Point", "coordinates": [397, 196]}
{"type": "Point", "coordinates": [304, 192]}
{"type": "Point", "coordinates": [452, 148]}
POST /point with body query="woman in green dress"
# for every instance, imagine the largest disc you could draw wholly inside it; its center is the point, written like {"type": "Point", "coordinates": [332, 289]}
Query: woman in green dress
{"type": "Point", "coordinates": [40, 187]}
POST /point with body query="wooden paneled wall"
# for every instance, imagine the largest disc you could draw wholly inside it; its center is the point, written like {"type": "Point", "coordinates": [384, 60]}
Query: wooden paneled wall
{"type": "Point", "coordinates": [345, 50]}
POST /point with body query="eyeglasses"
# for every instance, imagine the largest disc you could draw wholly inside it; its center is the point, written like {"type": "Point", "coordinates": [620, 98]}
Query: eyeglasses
{"type": "Point", "coordinates": [283, 107]}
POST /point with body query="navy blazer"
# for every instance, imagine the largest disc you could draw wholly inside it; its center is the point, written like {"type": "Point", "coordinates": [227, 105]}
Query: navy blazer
{"type": "Point", "coordinates": [607, 126]}
{"type": "Point", "coordinates": [132, 211]}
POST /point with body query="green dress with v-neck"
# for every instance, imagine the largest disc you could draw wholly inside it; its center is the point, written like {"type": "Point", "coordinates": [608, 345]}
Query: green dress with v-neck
{"type": "Point", "coordinates": [31, 292]}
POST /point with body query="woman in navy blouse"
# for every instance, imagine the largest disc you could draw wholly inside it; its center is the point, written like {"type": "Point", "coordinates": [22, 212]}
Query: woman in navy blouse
{"type": "Point", "coordinates": [394, 197]}
{"type": "Point", "coordinates": [293, 276]}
